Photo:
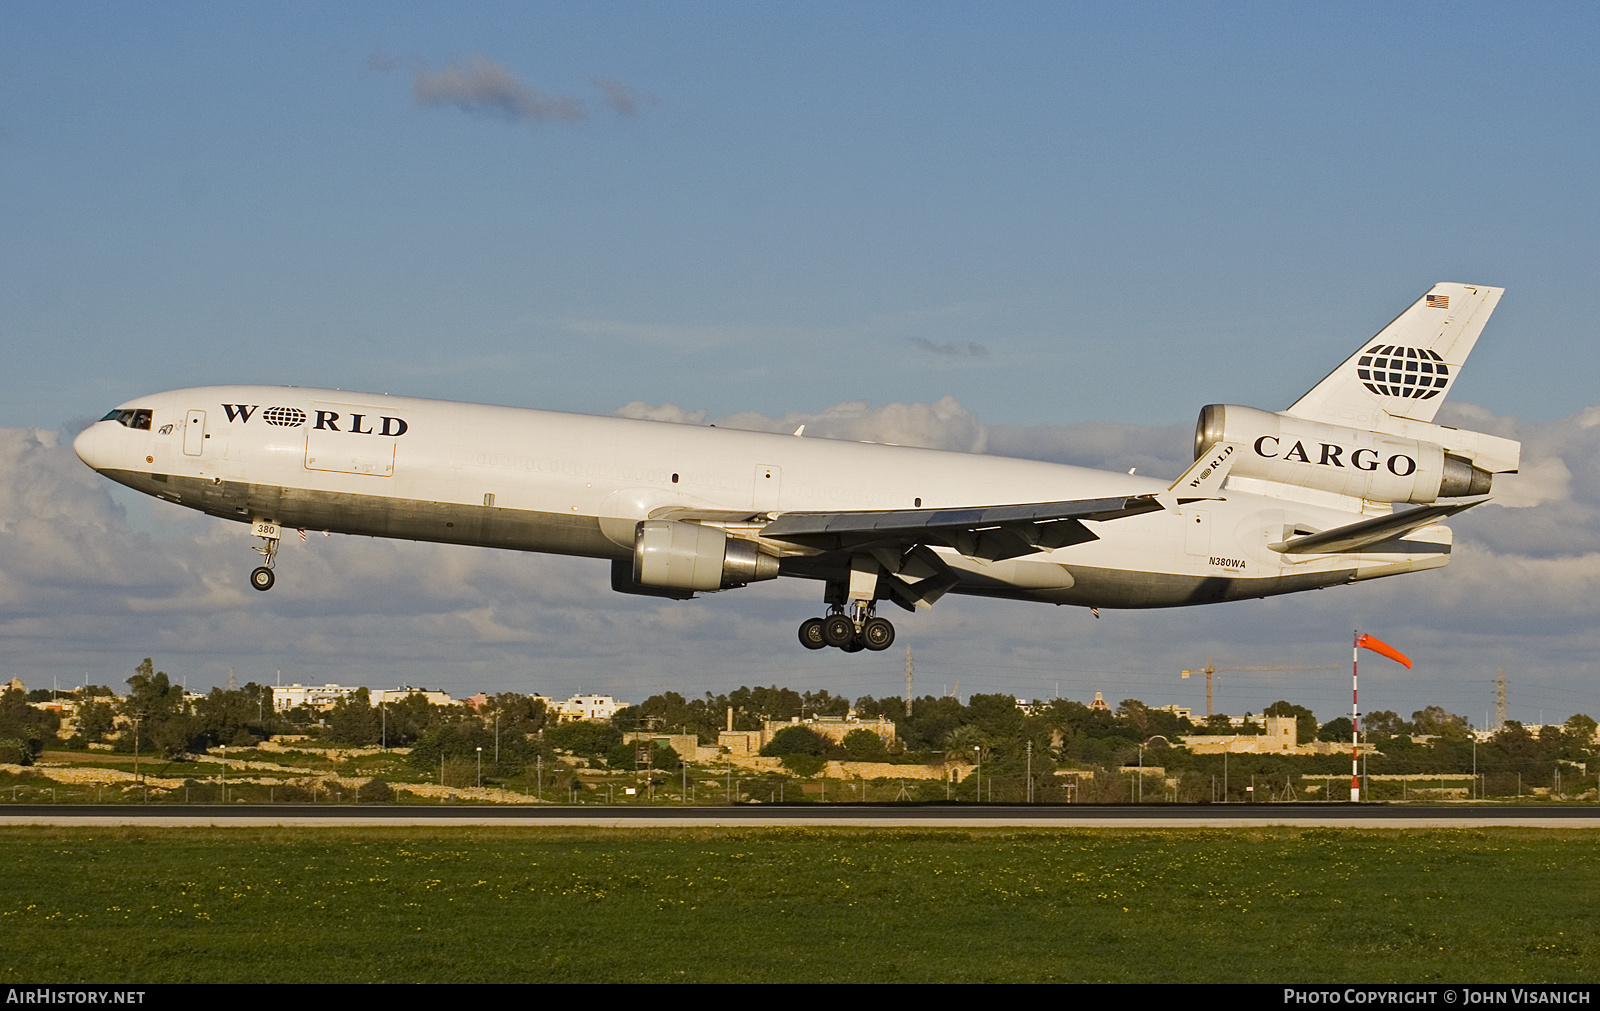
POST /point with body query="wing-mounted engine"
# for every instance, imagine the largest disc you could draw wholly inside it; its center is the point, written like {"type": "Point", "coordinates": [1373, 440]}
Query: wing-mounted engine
{"type": "Point", "coordinates": [674, 555]}
{"type": "Point", "coordinates": [1408, 461]}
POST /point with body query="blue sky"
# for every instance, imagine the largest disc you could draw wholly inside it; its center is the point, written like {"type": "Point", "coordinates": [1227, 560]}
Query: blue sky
{"type": "Point", "coordinates": [1054, 214]}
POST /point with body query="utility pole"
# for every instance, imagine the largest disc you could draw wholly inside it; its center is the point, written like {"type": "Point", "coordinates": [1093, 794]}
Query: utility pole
{"type": "Point", "coordinates": [136, 778]}
{"type": "Point", "coordinates": [908, 681]}
{"type": "Point", "coordinates": [1500, 700]}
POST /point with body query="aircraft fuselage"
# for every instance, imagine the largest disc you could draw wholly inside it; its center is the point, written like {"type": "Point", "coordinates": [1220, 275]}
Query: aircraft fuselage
{"type": "Point", "coordinates": [529, 480]}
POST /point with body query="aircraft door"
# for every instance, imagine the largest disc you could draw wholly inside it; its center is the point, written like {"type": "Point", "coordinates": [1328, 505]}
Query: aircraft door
{"type": "Point", "coordinates": [194, 433]}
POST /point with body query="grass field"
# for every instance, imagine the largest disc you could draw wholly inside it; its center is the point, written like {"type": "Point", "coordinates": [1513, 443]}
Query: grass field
{"type": "Point", "coordinates": [518, 904]}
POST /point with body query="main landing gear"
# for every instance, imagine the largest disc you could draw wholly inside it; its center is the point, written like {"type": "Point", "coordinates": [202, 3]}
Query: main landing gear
{"type": "Point", "coordinates": [261, 576]}
{"type": "Point", "coordinates": [864, 630]}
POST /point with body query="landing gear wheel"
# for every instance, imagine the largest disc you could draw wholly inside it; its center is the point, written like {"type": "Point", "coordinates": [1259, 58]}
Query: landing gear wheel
{"type": "Point", "coordinates": [838, 630]}
{"type": "Point", "coordinates": [877, 634]}
{"type": "Point", "coordinates": [811, 634]}
{"type": "Point", "coordinates": [261, 578]}
{"type": "Point", "coordinates": [853, 646]}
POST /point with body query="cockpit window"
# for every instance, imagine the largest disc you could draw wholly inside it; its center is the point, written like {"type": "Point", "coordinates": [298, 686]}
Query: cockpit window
{"type": "Point", "coordinates": [139, 419]}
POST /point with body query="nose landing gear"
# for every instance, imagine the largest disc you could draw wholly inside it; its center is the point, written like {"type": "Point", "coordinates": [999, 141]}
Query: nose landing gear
{"type": "Point", "coordinates": [261, 576]}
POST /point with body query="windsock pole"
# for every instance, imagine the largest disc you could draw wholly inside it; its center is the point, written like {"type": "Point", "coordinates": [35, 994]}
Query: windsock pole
{"type": "Point", "coordinates": [1355, 719]}
{"type": "Point", "coordinates": [1377, 646]}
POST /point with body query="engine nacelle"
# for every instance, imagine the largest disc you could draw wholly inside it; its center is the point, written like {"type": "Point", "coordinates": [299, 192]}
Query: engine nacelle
{"type": "Point", "coordinates": [1345, 461]}
{"type": "Point", "coordinates": [690, 556]}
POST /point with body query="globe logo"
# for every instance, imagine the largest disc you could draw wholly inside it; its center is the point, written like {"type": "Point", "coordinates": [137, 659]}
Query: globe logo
{"type": "Point", "coordinates": [1415, 373]}
{"type": "Point", "coordinates": [287, 417]}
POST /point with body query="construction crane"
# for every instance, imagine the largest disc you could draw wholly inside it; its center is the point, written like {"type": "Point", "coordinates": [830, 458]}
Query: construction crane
{"type": "Point", "coordinates": [1209, 670]}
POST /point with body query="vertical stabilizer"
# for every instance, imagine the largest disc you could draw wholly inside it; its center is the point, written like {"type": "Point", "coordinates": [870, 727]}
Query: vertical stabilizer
{"type": "Point", "coordinates": [1408, 368]}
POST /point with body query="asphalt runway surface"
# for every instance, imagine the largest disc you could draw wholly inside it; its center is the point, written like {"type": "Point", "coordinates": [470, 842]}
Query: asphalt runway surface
{"type": "Point", "coordinates": [1127, 816]}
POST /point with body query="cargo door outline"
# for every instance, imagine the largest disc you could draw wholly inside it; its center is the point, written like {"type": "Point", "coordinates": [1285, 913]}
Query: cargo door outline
{"type": "Point", "coordinates": [331, 448]}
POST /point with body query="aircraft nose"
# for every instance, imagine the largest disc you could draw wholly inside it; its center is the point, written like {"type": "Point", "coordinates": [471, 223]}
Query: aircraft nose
{"type": "Point", "coordinates": [86, 445]}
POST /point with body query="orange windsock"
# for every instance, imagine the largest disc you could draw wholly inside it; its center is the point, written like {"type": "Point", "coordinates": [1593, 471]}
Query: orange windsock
{"type": "Point", "coordinates": [1379, 646]}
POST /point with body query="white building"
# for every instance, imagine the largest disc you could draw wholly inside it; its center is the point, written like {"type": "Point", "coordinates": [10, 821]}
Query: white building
{"type": "Point", "coordinates": [315, 696]}
{"type": "Point", "coordinates": [324, 696]}
{"type": "Point", "coordinates": [588, 707]}
{"type": "Point", "coordinates": [390, 696]}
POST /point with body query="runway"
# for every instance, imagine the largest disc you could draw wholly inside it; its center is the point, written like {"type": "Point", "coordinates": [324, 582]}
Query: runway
{"type": "Point", "coordinates": [970, 816]}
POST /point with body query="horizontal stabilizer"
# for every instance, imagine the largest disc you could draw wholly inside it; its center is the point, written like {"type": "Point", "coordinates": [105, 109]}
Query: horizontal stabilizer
{"type": "Point", "coordinates": [1380, 528]}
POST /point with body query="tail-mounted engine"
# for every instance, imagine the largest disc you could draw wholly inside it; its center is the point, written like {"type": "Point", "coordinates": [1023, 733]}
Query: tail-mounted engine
{"type": "Point", "coordinates": [689, 556]}
{"type": "Point", "coordinates": [1380, 466]}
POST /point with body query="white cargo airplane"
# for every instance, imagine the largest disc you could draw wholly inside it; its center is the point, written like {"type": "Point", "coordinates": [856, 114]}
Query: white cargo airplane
{"type": "Point", "coordinates": [1274, 502]}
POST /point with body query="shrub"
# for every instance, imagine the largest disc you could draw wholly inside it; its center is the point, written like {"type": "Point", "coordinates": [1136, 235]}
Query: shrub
{"type": "Point", "coordinates": [796, 741]}
{"type": "Point", "coordinates": [804, 765]}
{"type": "Point", "coordinates": [865, 746]}
{"type": "Point", "coordinates": [375, 791]}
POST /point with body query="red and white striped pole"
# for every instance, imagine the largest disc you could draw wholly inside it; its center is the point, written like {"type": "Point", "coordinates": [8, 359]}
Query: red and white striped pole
{"type": "Point", "coordinates": [1377, 646]}
{"type": "Point", "coordinates": [1355, 719]}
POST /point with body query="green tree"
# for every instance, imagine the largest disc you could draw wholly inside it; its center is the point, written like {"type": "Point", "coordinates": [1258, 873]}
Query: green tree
{"type": "Point", "coordinates": [520, 714]}
{"type": "Point", "coordinates": [583, 737]}
{"type": "Point", "coordinates": [1436, 722]}
{"type": "Point", "coordinates": [22, 722]}
{"type": "Point", "coordinates": [1386, 722]}
{"type": "Point", "coordinates": [1336, 729]}
{"type": "Point", "coordinates": [466, 743]}
{"type": "Point", "coordinates": [237, 717]}
{"type": "Point", "coordinates": [164, 721]}
{"type": "Point", "coordinates": [865, 746]}
{"type": "Point", "coordinates": [1219, 723]}
{"type": "Point", "coordinates": [796, 741]}
{"type": "Point", "coordinates": [95, 719]}
{"type": "Point", "coordinates": [354, 720]}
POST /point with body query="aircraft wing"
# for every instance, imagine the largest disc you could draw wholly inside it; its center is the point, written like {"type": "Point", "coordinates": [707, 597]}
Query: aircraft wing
{"type": "Point", "coordinates": [989, 532]}
{"type": "Point", "coordinates": [995, 533]}
{"type": "Point", "coordinates": [1380, 528]}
